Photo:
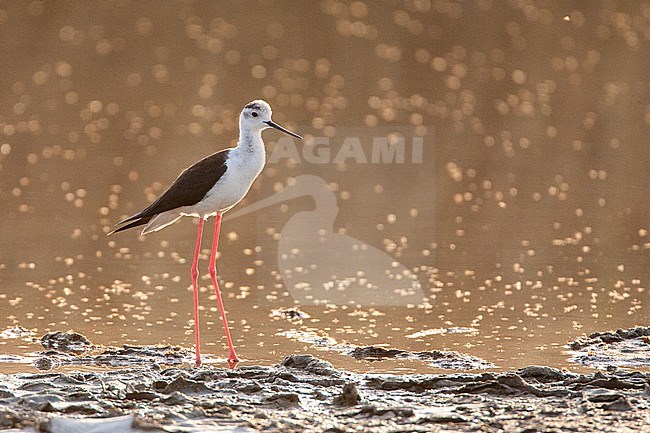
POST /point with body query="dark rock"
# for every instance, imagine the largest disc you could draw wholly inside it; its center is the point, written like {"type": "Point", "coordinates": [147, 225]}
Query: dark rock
{"type": "Point", "coordinates": [159, 385]}
{"type": "Point", "coordinates": [447, 360]}
{"type": "Point", "coordinates": [610, 337]}
{"type": "Point", "coordinates": [283, 376]}
{"type": "Point", "coordinates": [283, 400]}
{"type": "Point", "coordinates": [176, 398]}
{"type": "Point", "coordinates": [66, 342]}
{"type": "Point", "coordinates": [223, 410]}
{"type": "Point", "coordinates": [601, 395]}
{"type": "Point", "coordinates": [45, 363]}
{"type": "Point", "coordinates": [542, 374]}
{"type": "Point", "coordinates": [186, 386]}
{"type": "Point", "coordinates": [371, 353]}
{"type": "Point", "coordinates": [309, 364]}
{"type": "Point", "coordinates": [509, 384]}
{"type": "Point", "coordinates": [369, 411]}
{"type": "Point", "coordinates": [250, 388]}
{"type": "Point", "coordinates": [142, 395]}
{"type": "Point", "coordinates": [4, 393]}
{"type": "Point", "coordinates": [615, 383]}
{"type": "Point", "coordinates": [349, 396]}
{"type": "Point", "coordinates": [621, 404]}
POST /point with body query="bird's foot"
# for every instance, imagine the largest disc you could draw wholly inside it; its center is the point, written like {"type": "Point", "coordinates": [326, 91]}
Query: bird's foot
{"type": "Point", "coordinates": [232, 362]}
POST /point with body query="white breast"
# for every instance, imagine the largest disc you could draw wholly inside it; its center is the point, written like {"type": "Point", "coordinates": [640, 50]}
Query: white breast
{"type": "Point", "coordinates": [244, 165]}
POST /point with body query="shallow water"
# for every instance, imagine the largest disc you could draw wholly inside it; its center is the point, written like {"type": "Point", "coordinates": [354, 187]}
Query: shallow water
{"type": "Point", "coordinates": [521, 225]}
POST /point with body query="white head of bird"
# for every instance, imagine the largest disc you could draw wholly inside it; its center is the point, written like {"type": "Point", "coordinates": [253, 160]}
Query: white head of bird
{"type": "Point", "coordinates": [256, 117]}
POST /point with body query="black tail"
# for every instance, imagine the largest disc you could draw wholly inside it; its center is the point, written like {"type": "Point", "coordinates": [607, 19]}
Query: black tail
{"type": "Point", "coordinates": [138, 222]}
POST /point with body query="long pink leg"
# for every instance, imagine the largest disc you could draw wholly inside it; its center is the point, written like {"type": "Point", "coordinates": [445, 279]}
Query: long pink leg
{"type": "Point", "coordinates": [232, 357]}
{"type": "Point", "coordinates": [195, 275]}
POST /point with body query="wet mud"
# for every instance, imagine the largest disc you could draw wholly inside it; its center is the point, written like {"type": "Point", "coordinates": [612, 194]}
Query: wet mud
{"type": "Point", "coordinates": [621, 348]}
{"type": "Point", "coordinates": [447, 360]}
{"type": "Point", "coordinates": [66, 349]}
{"type": "Point", "coordinates": [304, 393]}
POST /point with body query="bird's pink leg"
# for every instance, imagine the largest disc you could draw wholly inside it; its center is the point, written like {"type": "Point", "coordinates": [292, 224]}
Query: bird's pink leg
{"type": "Point", "coordinates": [195, 275]}
{"type": "Point", "coordinates": [232, 357]}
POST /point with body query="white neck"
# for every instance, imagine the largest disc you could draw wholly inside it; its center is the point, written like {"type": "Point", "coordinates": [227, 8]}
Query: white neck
{"type": "Point", "coordinates": [251, 141]}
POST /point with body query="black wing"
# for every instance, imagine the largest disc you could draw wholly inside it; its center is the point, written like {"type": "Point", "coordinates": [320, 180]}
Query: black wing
{"type": "Point", "coordinates": [189, 188]}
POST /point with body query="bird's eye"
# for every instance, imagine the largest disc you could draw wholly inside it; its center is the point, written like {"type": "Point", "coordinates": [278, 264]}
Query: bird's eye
{"type": "Point", "coordinates": [254, 114]}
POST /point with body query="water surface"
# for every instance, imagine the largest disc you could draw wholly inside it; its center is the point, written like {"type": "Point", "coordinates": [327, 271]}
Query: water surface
{"type": "Point", "coordinates": [524, 222]}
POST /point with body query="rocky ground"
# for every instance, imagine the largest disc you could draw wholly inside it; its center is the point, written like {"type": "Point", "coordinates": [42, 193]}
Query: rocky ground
{"type": "Point", "coordinates": [304, 393]}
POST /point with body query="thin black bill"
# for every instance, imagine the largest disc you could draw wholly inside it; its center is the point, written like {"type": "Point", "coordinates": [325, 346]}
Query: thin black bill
{"type": "Point", "coordinates": [280, 128]}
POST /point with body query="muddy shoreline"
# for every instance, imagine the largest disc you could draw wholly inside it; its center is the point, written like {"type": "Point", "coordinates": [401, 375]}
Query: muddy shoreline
{"type": "Point", "coordinates": [303, 393]}
{"type": "Point", "coordinates": [153, 388]}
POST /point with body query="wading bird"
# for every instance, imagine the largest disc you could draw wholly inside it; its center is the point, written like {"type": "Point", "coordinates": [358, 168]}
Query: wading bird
{"type": "Point", "coordinates": [210, 187]}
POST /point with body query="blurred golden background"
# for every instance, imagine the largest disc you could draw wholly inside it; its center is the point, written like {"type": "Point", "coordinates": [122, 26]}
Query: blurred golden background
{"type": "Point", "coordinates": [526, 221]}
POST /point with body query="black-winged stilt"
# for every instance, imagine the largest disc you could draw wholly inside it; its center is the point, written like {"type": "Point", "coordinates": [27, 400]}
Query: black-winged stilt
{"type": "Point", "coordinates": [211, 187]}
